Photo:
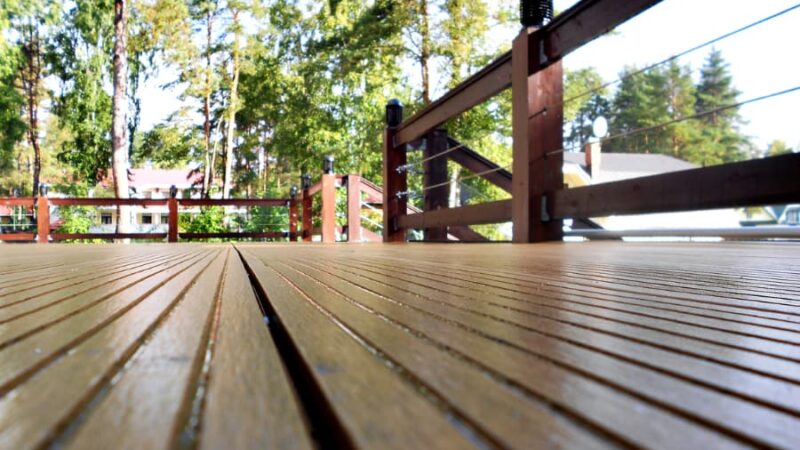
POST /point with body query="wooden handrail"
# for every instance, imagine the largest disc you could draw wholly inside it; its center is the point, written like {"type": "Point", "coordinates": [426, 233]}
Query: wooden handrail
{"type": "Point", "coordinates": [765, 181]}
{"type": "Point", "coordinates": [570, 30]}
{"type": "Point", "coordinates": [483, 213]}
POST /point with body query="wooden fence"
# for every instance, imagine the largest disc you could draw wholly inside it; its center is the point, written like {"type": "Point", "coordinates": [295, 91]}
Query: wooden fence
{"type": "Point", "coordinates": [360, 194]}
{"type": "Point", "coordinates": [539, 200]}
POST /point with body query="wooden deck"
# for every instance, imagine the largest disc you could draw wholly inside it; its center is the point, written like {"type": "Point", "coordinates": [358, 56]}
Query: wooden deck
{"type": "Point", "coordinates": [400, 346]}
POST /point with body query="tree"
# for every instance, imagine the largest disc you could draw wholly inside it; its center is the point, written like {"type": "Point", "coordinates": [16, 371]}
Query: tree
{"type": "Point", "coordinates": [719, 134]}
{"type": "Point", "coordinates": [778, 147]}
{"type": "Point", "coordinates": [119, 121]}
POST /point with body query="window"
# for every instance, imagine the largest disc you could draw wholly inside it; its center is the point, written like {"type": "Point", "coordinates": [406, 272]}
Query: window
{"type": "Point", "coordinates": [165, 218]}
{"type": "Point", "coordinates": [147, 219]}
{"type": "Point", "coordinates": [105, 219]}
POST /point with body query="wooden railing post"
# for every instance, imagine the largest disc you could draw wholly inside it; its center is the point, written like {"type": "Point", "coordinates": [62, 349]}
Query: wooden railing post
{"type": "Point", "coordinates": [307, 206]}
{"type": "Point", "coordinates": [537, 116]}
{"type": "Point", "coordinates": [293, 214]}
{"type": "Point", "coordinates": [43, 217]}
{"type": "Point", "coordinates": [172, 205]}
{"type": "Point", "coordinates": [328, 202]}
{"type": "Point", "coordinates": [394, 181]}
{"type": "Point", "coordinates": [353, 208]}
{"type": "Point", "coordinates": [435, 174]}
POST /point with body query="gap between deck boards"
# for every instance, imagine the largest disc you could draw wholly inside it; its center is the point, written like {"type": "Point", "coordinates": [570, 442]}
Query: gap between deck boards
{"type": "Point", "coordinates": [326, 430]}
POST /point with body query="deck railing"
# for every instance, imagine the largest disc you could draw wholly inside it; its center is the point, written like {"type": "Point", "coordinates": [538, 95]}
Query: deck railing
{"type": "Point", "coordinates": [46, 231]}
{"type": "Point", "coordinates": [539, 200]}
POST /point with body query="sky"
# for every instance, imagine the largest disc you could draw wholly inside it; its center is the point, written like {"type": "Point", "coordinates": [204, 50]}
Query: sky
{"type": "Point", "coordinates": [762, 60]}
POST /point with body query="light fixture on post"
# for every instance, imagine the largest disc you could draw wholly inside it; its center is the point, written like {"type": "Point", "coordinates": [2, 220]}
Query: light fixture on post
{"type": "Point", "coordinates": [327, 165]}
{"type": "Point", "coordinates": [293, 190]}
{"type": "Point", "coordinates": [173, 191]}
{"type": "Point", "coordinates": [43, 189]}
{"type": "Point", "coordinates": [394, 113]}
{"type": "Point", "coordinates": [533, 13]}
{"type": "Point", "coordinates": [305, 181]}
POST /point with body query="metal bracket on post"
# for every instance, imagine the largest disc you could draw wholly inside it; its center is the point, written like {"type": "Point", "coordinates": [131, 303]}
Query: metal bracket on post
{"type": "Point", "coordinates": [545, 217]}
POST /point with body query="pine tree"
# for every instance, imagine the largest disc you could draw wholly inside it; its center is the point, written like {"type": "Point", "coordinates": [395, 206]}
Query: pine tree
{"type": "Point", "coordinates": [720, 138]}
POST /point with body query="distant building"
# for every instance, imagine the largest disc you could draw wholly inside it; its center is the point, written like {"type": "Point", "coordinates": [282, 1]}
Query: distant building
{"type": "Point", "coordinates": [594, 167]}
{"type": "Point", "coordinates": [154, 184]}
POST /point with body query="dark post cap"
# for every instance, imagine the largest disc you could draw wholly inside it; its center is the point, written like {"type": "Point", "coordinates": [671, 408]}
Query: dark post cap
{"type": "Point", "coordinates": [173, 191]}
{"type": "Point", "coordinates": [293, 190]}
{"type": "Point", "coordinates": [43, 188]}
{"type": "Point", "coordinates": [327, 165]}
{"type": "Point", "coordinates": [305, 181]}
{"type": "Point", "coordinates": [533, 13]}
{"type": "Point", "coordinates": [394, 113]}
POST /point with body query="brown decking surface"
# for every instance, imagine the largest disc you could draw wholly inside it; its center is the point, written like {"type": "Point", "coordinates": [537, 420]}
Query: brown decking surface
{"type": "Point", "coordinates": [400, 346]}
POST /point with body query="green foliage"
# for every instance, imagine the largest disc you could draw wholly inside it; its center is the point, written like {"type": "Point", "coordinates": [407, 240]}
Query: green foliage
{"type": "Point", "coordinates": [167, 146]}
{"type": "Point", "coordinates": [210, 220]}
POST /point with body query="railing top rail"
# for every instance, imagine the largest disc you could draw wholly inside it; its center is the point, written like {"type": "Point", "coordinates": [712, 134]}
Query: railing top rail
{"type": "Point", "coordinates": [16, 201]}
{"type": "Point", "coordinates": [87, 201]}
{"type": "Point", "coordinates": [570, 30]}
{"type": "Point", "coordinates": [234, 202]}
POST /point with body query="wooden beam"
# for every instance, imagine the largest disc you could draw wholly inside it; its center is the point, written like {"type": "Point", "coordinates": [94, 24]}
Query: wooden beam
{"type": "Point", "coordinates": [466, 234]}
{"type": "Point", "coordinates": [107, 201]}
{"type": "Point", "coordinates": [150, 236]}
{"type": "Point", "coordinates": [328, 208]}
{"type": "Point", "coordinates": [235, 202]}
{"type": "Point", "coordinates": [17, 236]}
{"type": "Point", "coordinates": [16, 201]}
{"type": "Point", "coordinates": [172, 220]}
{"type": "Point", "coordinates": [435, 174]}
{"type": "Point", "coordinates": [308, 203]}
{"type": "Point", "coordinates": [493, 212]}
{"type": "Point", "coordinates": [476, 89]}
{"type": "Point", "coordinates": [42, 219]}
{"type": "Point", "coordinates": [580, 24]}
{"type": "Point", "coordinates": [293, 219]}
{"type": "Point", "coordinates": [537, 126]}
{"type": "Point", "coordinates": [395, 182]}
{"type": "Point", "coordinates": [572, 29]}
{"type": "Point", "coordinates": [235, 235]}
{"type": "Point", "coordinates": [353, 208]}
{"type": "Point", "coordinates": [765, 181]}
{"type": "Point", "coordinates": [475, 163]}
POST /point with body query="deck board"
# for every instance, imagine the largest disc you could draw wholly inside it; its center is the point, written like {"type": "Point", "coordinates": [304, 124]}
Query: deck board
{"type": "Point", "coordinates": [597, 345]}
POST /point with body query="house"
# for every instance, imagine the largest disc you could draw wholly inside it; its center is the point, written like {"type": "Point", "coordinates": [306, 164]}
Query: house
{"type": "Point", "coordinates": [592, 166]}
{"type": "Point", "coordinates": [149, 183]}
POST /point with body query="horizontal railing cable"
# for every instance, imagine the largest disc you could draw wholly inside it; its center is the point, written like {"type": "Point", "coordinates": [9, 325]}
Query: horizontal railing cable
{"type": "Point", "coordinates": [411, 165]}
{"type": "Point", "coordinates": [680, 119]}
{"type": "Point", "coordinates": [670, 58]}
{"type": "Point", "coordinates": [618, 136]}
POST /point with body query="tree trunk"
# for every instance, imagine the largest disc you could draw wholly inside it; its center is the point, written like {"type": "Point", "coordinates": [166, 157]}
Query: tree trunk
{"type": "Point", "coordinates": [119, 141]}
{"type": "Point", "coordinates": [230, 135]}
{"type": "Point", "coordinates": [425, 53]}
{"type": "Point", "coordinates": [208, 172]}
{"type": "Point", "coordinates": [31, 83]}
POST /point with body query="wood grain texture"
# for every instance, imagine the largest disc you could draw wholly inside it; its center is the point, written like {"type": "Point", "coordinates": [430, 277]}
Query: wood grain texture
{"type": "Point", "coordinates": [595, 345]}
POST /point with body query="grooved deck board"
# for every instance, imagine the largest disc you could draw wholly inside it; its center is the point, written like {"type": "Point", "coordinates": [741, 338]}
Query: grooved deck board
{"type": "Point", "coordinates": [595, 345]}
{"type": "Point", "coordinates": [652, 345]}
{"type": "Point", "coordinates": [123, 347]}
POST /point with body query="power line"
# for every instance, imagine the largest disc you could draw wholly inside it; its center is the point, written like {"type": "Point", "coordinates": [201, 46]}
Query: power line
{"type": "Point", "coordinates": [674, 57]}
{"type": "Point", "coordinates": [685, 118]}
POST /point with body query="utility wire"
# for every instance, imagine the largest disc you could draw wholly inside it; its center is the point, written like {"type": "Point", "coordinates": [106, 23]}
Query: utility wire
{"type": "Point", "coordinates": [673, 57]}
{"type": "Point", "coordinates": [623, 134]}
{"type": "Point", "coordinates": [684, 118]}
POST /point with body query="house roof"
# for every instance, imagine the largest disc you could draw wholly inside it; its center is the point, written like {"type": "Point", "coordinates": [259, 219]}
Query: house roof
{"type": "Point", "coordinates": [620, 166]}
{"type": "Point", "coordinates": [160, 178]}
{"type": "Point", "coordinates": [181, 178]}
